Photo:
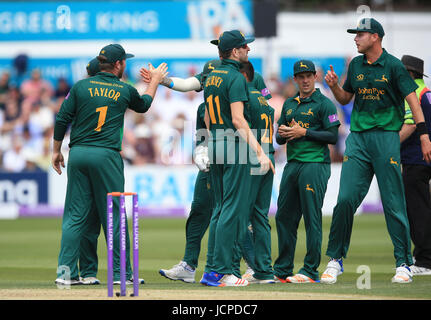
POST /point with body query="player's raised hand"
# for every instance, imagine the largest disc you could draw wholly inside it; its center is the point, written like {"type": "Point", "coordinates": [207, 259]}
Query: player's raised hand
{"type": "Point", "coordinates": [158, 73]}
{"type": "Point", "coordinates": [145, 74]}
{"type": "Point", "coordinates": [331, 77]}
{"type": "Point", "coordinates": [57, 161]}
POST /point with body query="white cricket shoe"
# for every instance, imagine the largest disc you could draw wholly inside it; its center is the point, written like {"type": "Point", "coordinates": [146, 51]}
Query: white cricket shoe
{"type": "Point", "coordinates": [230, 280]}
{"type": "Point", "coordinates": [253, 280]}
{"type": "Point", "coordinates": [70, 282]}
{"type": "Point", "coordinates": [129, 282]}
{"type": "Point", "coordinates": [181, 271]}
{"type": "Point", "coordinates": [420, 271]}
{"type": "Point", "coordinates": [248, 273]}
{"type": "Point", "coordinates": [300, 278]}
{"type": "Point", "coordinates": [403, 274]}
{"type": "Point", "coordinates": [89, 280]}
{"type": "Point", "coordinates": [333, 270]}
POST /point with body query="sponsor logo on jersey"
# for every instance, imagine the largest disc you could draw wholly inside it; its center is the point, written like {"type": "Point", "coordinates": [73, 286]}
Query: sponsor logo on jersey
{"type": "Point", "coordinates": [392, 161]}
{"type": "Point", "coordinates": [265, 92]}
{"type": "Point", "coordinates": [383, 79]}
{"type": "Point", "coordinates": [308, 113]}
{"type": "Point", "coordinates": [360, 77]}
{"type": "Point", "coordinates": [332, 118]}
{"type": "Point", "coordinates": [308, 188]}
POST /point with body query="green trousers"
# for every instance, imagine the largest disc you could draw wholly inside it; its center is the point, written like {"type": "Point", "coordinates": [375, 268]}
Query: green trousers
{"type": "Point", "coordinates": [231, 182]}
{"type": "Point", "coordinates": [368, 153]}
{"type": "Point", "coordinates": [198, 219]}
{"type": "Point", "coordinates": [302, 191]}
{"type": "Point", "coordinates": [256, 245]}
{"type": "Point", "coordinates": [92, 172]}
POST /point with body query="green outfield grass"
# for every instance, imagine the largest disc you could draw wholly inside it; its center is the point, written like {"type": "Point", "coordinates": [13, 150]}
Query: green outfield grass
{"type": "Point", "coordinates": [29, 249]}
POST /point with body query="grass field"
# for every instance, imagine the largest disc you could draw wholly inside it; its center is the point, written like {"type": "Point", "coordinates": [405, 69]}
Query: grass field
{"type": "Point", "coordinates": [29, 249]}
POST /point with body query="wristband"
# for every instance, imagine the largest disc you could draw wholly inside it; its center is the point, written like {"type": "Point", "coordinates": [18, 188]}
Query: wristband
{"type": "Point", "coordinates": [167, 82]}
{"type": "Point", "coordinates": [421, 128]}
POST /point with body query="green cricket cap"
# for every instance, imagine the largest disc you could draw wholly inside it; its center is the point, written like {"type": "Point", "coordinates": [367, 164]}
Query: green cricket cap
{"type": "Point", "coordinates": [114, 53]}
{"type": "Point", "coordinates": [231, 39]}
{"type": "Point", "coordinates": [303, 66]}
{"type": "Point", "coordinates": [210, 66]}
{"type": "Point", "coordinates": [93, 67]}
{"type": "Point", "coordinates": [370, 25]}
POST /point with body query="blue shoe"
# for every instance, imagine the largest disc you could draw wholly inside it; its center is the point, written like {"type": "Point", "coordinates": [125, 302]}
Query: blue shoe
{"type": "Point", "coordinates": [213, 279]}
{"type": "Point", "coordinates": [204, 279]}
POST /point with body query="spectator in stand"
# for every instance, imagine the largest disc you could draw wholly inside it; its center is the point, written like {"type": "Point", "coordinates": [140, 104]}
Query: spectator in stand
{"type": "Point", "coordinates": [4, 88]}
{"type": "Point", "coordinates": [19, 70]}
{"type": "Point", "coordinates": [62, 89]}
{"type": "Point", "coordinates": [162, 131]}
{"type": "Point", "coordinates": [274, 86]}
{"type": "Point", "coordinates": [32, 90]}
{"type": "Point", "coordinates": [289, 89]}
{"type": "Point", "coordinates": [144, 144]}
{"type": "Point", "coordinates": [30, 157]}
{"type": "Point", "coordinates": [12, 112]}
{"type": "Point", "coordinates": [13, 159]}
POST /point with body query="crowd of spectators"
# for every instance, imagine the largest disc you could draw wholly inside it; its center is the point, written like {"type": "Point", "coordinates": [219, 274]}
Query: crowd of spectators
{"type": "Point", "coordinates": [164, 135]}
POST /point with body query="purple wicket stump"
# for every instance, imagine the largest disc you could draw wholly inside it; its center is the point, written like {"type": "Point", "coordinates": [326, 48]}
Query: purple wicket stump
{"type": "Point", "coordinates": [135, 218]}
{"type": "Point", "coordinates": [110, 245]}
{"type": "Point", "coordinates": [110, 242]}
{"type": "Point", "coordinates": [122, 246]}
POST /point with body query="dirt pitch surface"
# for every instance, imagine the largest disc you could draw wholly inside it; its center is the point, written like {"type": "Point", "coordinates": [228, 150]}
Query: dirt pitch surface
{"type": "Point", "coordinates": [100, 294]}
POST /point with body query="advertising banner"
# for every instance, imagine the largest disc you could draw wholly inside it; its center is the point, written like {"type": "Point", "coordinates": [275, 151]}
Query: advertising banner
{"type": "Point", "coordinates": [24, 21]}
{"type": "Point", "coordinates": [167, 191]}
{"type": "Point", "coordinates": [22, 190]}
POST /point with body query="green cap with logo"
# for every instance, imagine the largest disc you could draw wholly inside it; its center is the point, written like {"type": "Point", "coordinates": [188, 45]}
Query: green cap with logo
{"type": "Point", "coordinates": [210, 66]}
{"type": "Point", "coordinates": [231, 39]}
{"type": "Point", "coordinates": [93, 67]}
{"type": "Point", "coordinates": [370, 25]}
{"type": "Point", "coordinates": [303, 66]}
{"type": "Point", "coordinates": [114, 53]}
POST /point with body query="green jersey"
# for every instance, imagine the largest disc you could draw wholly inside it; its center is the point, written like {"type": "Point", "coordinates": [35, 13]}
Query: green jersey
{"type": "Point", "coordinates": [260, 85]}
{"type": "Point", "coordinates": [200, 124]}
{"type": "Point", "coordinates": [257, 82]}
{"type": "Point", "coordinates": [316, 112]}
{"type": "Point", "coordinates": [95, 106]}
{"type": "Point", "coordinates": [380, 89]}
{"type": "Point", "coordinates": [261, 118]}
{"type": "Point", "coordinates": [223, 86]}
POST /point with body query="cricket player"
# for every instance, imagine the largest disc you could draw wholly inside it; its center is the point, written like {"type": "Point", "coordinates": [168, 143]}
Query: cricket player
{"type": "Point", "coordinates": [93, 67]}
{"type": "Point", "coordinates": [225, 92]}
{"type": "Point", "coordinates": [202, 204]}
{"type": "Point", "coordinates": [256, 245]}
{"type": "Point", "coordinates": [95, 109]}
{"type": "Point", "coordinates": [380, 83]}
{"type": "Point", "coordinates": [200, 213]}
{"type": "Point", "coordinates": [88, 262]}
{"type": "Point", "coordinates": [416, 172]}
{"type": "Point", "coordinates": [308, 123]}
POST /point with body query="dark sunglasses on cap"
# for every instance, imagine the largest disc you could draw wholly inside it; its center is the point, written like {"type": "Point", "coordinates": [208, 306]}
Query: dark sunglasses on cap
{"type": "Point", "coordinates": [242, 47]}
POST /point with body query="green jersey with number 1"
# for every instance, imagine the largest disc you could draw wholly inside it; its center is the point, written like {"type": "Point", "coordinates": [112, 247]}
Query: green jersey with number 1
{"type": "Point", "coordinates": [95, 106]}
